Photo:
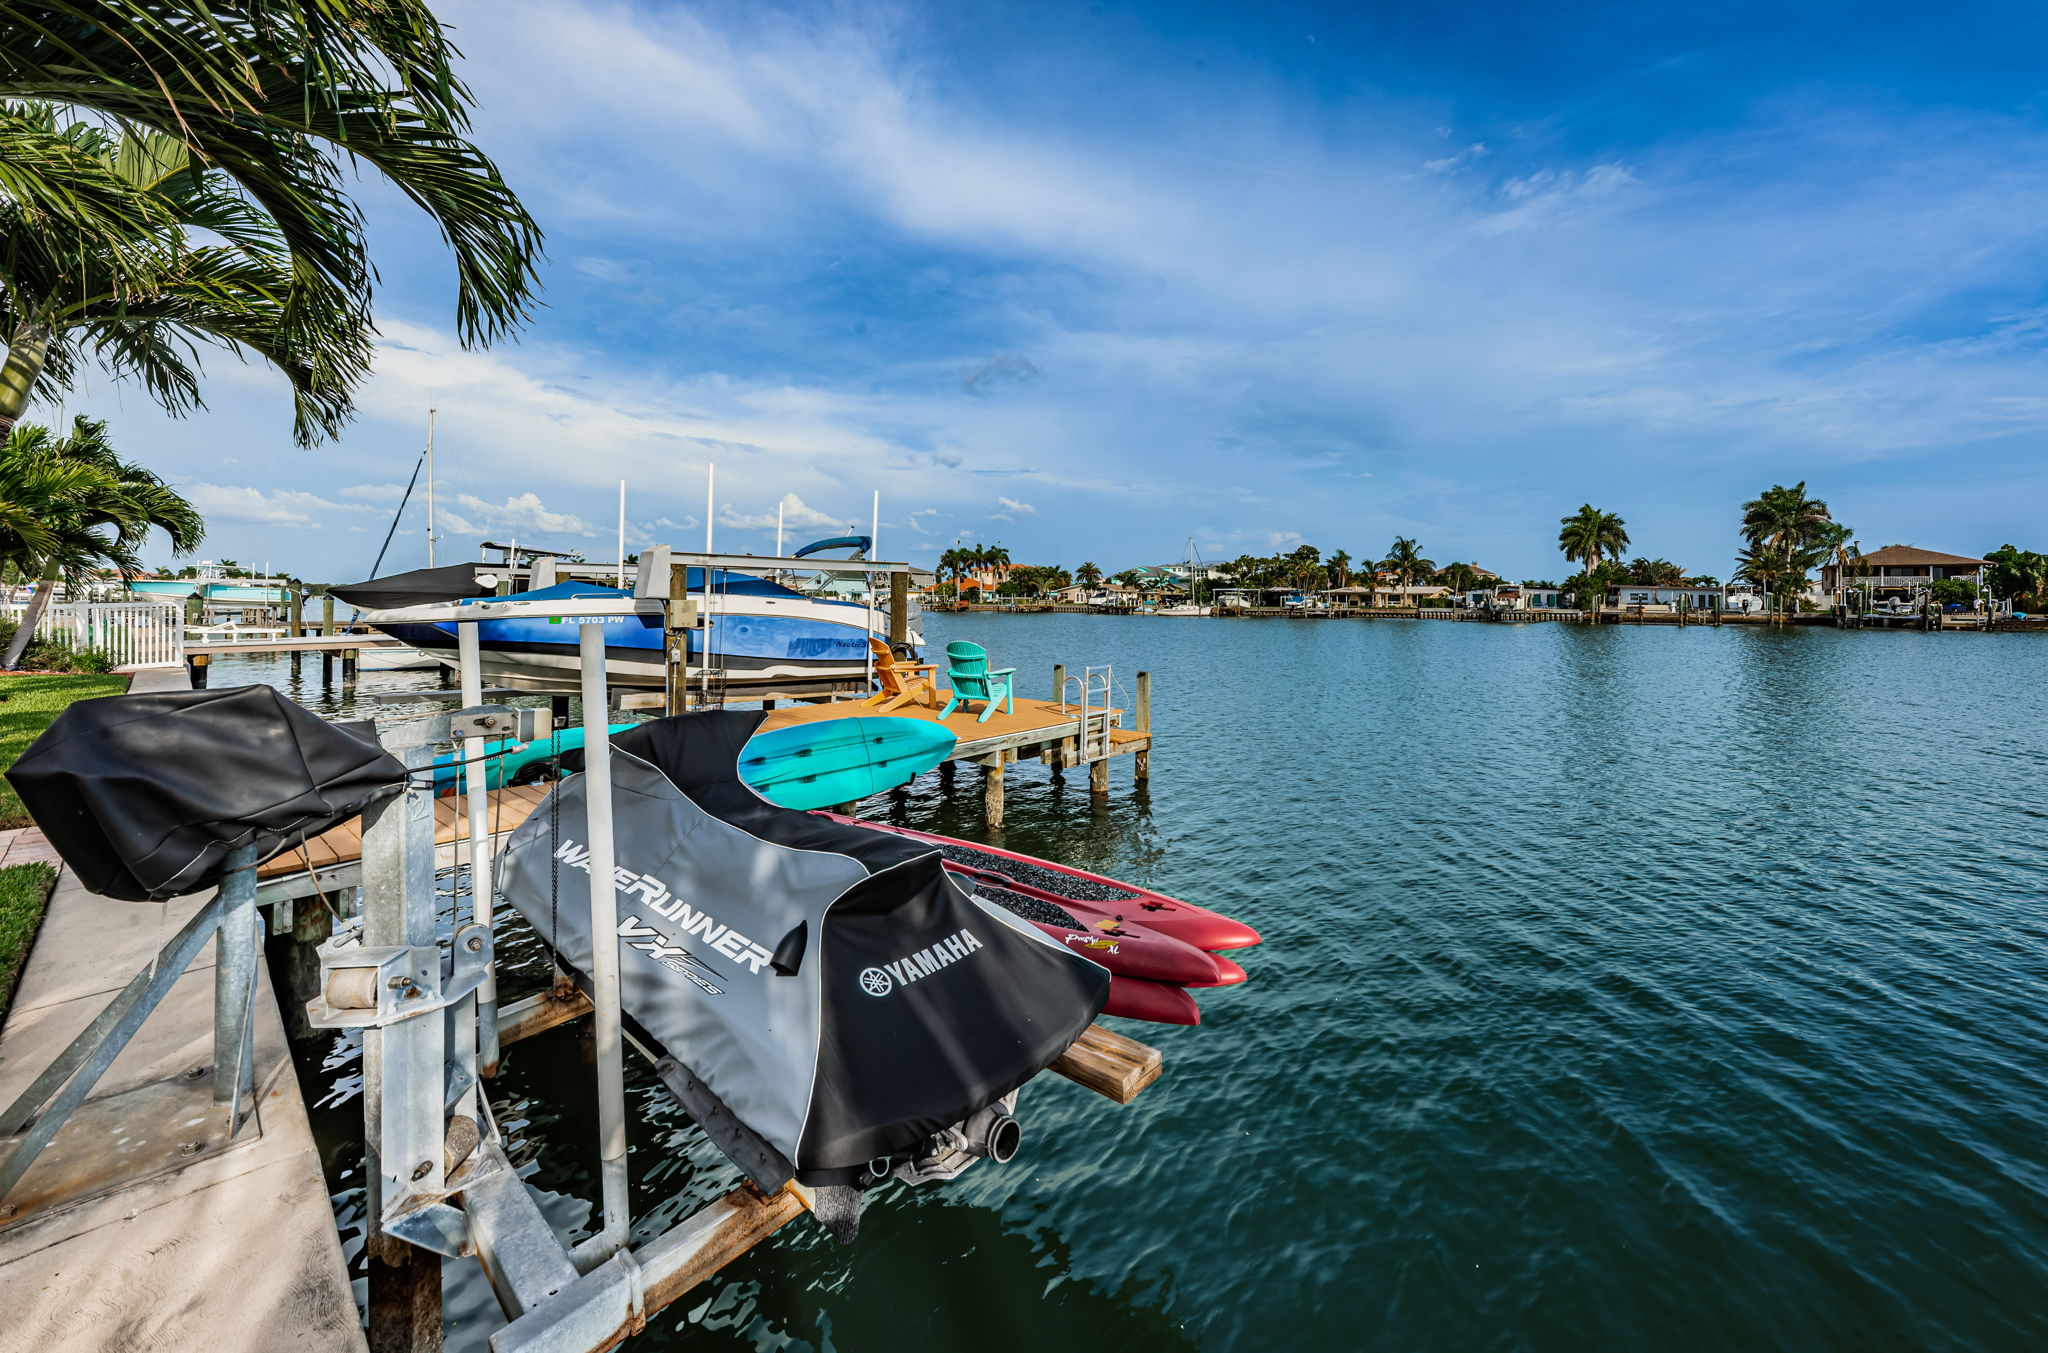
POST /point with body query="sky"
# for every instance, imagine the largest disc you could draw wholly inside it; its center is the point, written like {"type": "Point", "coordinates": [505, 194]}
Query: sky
{"type": "Point", "coordinates": [1090, 280]}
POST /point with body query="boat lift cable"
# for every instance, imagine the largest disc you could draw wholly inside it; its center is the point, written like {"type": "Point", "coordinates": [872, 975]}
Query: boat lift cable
{"type": "Point", "coordinates": [398, 515]}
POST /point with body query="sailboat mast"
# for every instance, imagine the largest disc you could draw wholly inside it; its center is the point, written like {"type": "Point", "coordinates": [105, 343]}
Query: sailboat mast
{"type": "Point", "coordinates": [430, 488]}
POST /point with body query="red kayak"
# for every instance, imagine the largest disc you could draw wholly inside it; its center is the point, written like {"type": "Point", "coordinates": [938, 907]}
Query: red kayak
{"type": "Point", "coordinates": [1154, 1002]}
{"type": "Point", "coordinates": [1066, 886]}
{"type": "Point", "coordinates": [1122, 947]}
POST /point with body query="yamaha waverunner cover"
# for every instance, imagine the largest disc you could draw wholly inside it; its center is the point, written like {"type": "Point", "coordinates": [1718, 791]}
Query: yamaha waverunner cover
{"type": "Point", "coordinates": [830, 994]}
{"type": "Point", "coordinates": [145, 795]}
{"type": "Point", "coordinates": [421, 586]}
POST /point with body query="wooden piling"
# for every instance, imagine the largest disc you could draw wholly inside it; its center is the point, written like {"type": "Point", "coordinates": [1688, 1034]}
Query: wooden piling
{"type": "Point", "coordinates": [675, 644]}
{"type": "Point", "coordinates": [295, 624]}
{"type": "Point", "coordinates": [405, 1299]}
{"type": "Point", "coordinates": [348, 664]}
{"type": "Point", "coordinates": [1059, 683]}
{"type": "Point", "coordinates": [1098, 778]}
{"type": "Point", "coordinates": [196, 664]}
{"type": "Point", "coordinates": [1141, 762]}
{"type": "Point", "coordinates": [992, 790]}
{"type": "Point", "coordinates": [899, 611]}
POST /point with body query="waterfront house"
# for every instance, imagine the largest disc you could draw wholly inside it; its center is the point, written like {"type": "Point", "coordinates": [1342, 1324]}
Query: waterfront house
{"type": "Point", "coordinates": [1512, 597]}
{"type": "Point", "coordinates": [1383, 593]}
{"type": "Point", "coordinates": [1637, 598]}
{"type": "Point", "coordinates": [1897, 572]}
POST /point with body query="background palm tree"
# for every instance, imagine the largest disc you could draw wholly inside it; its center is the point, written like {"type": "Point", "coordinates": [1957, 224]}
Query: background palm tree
{"type": "Point", "coordinates": [1459, 577]}
{"type": "Point", "coordinates": [1404, 560]}
{"type": "Point", "coordinates": [1340, 569]}
{"type": "Point", "coordinates": [1590, 535]}
{"type": "Point", "coordinates": [1088, 574]}
{"type": "Point", "coordinates": [289, 98]}
{"type": "Point", "coordinates": [101, 520]}
{"type": "Point", "coordinates": [142, 305]}
{"type": "Point", "coordinates": [1795, 531]}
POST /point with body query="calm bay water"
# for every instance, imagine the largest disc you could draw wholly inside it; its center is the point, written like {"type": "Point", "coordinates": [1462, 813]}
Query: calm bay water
{"type": "Point", "coordinates": [1621, 987]}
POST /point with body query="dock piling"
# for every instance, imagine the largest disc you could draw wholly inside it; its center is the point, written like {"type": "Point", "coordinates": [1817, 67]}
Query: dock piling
{"type": "Point", "coordinates": [1141, 762]}
{"type": "Point", "coordinates": [992, 789]}
{"type": "Point", "coordinates": [196, 665]}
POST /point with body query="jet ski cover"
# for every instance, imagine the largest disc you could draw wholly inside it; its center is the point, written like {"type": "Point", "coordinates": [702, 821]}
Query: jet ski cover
{"type": "Point", "coordinates": [145, 795]}
{"type": "Point", "coordinates": [827, 995]}
{"type": "Point", "coordinates": [455, 582]}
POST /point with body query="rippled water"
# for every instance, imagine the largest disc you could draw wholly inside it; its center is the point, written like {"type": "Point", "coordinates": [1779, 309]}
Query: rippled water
{"type": "Point", "coordinates": [1621, 988]}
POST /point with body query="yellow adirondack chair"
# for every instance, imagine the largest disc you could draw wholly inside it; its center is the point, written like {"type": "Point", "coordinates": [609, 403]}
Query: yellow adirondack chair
{"type": "Point", "coordinates": [903, 683]}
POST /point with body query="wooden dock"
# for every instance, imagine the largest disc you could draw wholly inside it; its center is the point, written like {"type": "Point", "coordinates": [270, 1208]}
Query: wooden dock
{"type": "Point", "coordinates": [1045, 730]}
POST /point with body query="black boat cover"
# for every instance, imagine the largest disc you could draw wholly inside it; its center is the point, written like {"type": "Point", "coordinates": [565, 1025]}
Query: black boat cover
{"type": "Point", "coordinates": [831, 995]}
{"type": "Point", "coordinates": [417, 588]}
{"type": "Point", "coordinates": [145, 795]}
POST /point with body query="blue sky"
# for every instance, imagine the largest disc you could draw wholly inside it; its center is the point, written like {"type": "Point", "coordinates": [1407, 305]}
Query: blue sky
{"type": "Point", "coordinates": [1089, 279]}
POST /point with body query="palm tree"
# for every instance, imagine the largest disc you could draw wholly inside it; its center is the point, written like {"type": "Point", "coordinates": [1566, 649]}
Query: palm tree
{"type": "Point", "coordinates": [1404, 560]}
{"type": "Point", "coordinates": [101, 519]}
{"type": "Point", "coordinates": [1797, 531]}
{"type": "Point", "coordinates": [1458, 577]}
{"type": "Point", "coordinates": [141, 307]}
{"type": "Point", "coordinates": [1590, 535]}
{"type": "Point", "coordinates": [1340, 569]}
{"type": "Point", "coordinates": [288, 98]}
{"type": "Point", "coordinates": [1088, 574]}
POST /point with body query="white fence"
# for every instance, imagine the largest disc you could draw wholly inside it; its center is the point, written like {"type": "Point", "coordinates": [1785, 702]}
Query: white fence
{"type": "Point", "coordinates": [133, 633]}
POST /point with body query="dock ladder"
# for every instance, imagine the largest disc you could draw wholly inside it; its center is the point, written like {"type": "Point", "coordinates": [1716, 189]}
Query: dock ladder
{"type": "Point", "coordinates": [1092, 682]}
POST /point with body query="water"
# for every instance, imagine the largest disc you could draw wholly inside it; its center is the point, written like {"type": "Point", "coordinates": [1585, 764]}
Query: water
{"type": "Point", "coordinates": [1621, 987]}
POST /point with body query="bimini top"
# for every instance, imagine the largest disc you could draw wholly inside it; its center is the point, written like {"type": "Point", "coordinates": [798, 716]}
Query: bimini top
{"type": "Point", "coordinates": [724, 581]}
{"type": "Point", "coordinates": [859, 544]}
{"type": "Point", "coordinates": [831, 996]}
{"type": "Point", "coordinates": [419, 587]}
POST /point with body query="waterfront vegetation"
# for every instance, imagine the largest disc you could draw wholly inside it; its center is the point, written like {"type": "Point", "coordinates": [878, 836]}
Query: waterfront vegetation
{"type": "Point", "coordinates": [72, 506]}
{"type": "Point", "coordinates": [24, 892]}
{"type": "Point", "coordinates": [1785, 534]}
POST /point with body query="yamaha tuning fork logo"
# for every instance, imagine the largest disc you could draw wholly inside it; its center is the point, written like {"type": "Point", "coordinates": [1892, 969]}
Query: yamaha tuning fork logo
{"type": "Point", "coordinates": [885, 979]}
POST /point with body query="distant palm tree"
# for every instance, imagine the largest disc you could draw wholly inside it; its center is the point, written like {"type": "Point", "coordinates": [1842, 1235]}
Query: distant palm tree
{"type": "Point", "coordinates": [1340, 569]}
{"type": "Point", "coordinates": [1797, 531]}
{"type": "Point", "coordinates": [102, 519]}
{"type": "Point", "coordinates": [1590, 535]}
{"type": "Point", "coordinates": [1088, 575]}
{"type": "Point", "coordinates": [1404, 560]}
{"type": "Point", "coordinates": [1458, 577]}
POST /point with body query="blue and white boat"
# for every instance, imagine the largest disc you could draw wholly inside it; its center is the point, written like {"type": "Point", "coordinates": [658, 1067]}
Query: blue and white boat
{"type": "Point", "coordinates": [755, 632]}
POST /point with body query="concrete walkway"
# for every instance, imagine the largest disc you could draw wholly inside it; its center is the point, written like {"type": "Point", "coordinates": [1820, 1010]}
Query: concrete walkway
{"type": "Point", "coordinates": [232, 1252]}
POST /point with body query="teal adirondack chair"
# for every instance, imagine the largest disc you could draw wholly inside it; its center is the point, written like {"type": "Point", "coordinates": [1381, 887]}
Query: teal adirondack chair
{"type": "Point", "coordinates": [967, 671]}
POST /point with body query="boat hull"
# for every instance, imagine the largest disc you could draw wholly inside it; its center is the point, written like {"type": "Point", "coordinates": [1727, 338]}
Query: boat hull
{"type": "Point", "coordinates": [749, 641]}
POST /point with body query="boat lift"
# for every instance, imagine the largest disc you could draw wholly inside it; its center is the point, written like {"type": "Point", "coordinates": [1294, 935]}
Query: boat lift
{"type": "Point", "coordinates": [439, 1182]}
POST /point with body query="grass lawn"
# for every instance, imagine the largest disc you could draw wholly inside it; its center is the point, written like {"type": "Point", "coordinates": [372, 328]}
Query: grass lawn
{"type": "Point", "coordinates": [27, 704]}
{"type": "Point", "coordinates": [24, 888]}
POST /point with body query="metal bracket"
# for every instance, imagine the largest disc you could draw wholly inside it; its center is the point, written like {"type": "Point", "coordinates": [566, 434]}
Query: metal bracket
{"type": "Point", "coordinates": [374, 986]}
{"type": "Point", "coordinates": [495, 721]}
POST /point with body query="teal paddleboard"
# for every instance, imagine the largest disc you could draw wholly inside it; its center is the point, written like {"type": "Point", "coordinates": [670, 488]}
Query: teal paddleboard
{"type": "Point", "coordinates": [507, 758]}
{"type": "Point", "coordinates": [833, 761]}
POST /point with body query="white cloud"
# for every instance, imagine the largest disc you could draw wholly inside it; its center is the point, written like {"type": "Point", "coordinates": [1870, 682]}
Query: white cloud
{"type": "Point", "coordinates": [282, 507]}
{"type": "Point", "coordinates": [795, 512]}
{"type": "Point", "coordinates": [467, 514]}
{"type": "Point", "coordinates": [1450, 162]}
{"type": "Point", "coordinates": [1009, 509]}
